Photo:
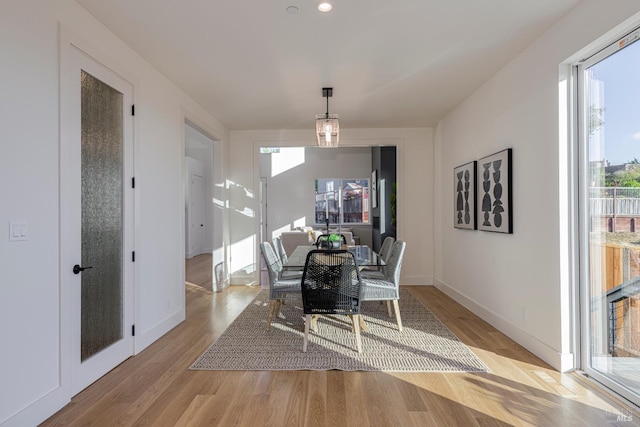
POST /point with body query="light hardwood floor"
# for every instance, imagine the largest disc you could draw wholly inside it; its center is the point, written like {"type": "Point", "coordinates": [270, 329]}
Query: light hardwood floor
{"type": "Point", "coordinates": [199, 271]}
{"type": "Point", "coordinates": [156, 388]}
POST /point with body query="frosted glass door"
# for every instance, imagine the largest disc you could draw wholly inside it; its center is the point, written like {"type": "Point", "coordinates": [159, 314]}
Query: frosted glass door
{"type": "Point", "coordinates": [97, 235]}
{"type": "Point", "coordinates": [102, 215]}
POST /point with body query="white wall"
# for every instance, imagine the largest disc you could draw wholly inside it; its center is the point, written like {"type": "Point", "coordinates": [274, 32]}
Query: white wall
{"type": "Point", "coordinates": [291, 176]}
{"type": "Point", "coordinates": [521, 282]}
{"type": "Point", "coordinates": [34, 379]}
{"type": "Point", "coordinates": [415, 193]}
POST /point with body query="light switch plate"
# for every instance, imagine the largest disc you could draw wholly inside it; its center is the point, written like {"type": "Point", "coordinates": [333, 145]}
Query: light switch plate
{"type": "Point", "coordinates": [18, 230]}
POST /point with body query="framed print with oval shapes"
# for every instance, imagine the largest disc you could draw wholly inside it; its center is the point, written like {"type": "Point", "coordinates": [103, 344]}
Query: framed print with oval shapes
{"type": "Point", "coordinates": [494, 179]}
{"type": "Point", "coordinates": [464, 186]}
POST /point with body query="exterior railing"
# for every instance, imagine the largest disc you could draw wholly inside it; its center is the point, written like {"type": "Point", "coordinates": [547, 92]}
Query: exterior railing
{"type": "Point", "coordinates": [624, 201]}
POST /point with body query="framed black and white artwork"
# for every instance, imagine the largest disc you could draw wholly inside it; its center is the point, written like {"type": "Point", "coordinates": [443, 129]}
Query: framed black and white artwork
{"type": "Point", "coordinates": [494, 179]}
{"type": "Point", "coordinates": [464, 185]}
{"type": "Point", "coordinates": [374, 188]}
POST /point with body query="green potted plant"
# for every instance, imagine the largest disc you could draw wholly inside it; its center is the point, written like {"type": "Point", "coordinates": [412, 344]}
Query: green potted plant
{"type": "Point", "coordinates": [336, 241]}
{"type": "Point", "coordinates": [392, 199]}
{"type": "Point", "coordinates": [332, 241]}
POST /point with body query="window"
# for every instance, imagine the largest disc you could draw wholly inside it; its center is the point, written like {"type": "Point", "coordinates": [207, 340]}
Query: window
{"type": "Point", "coordinates": [610, 215]}
{"type": "Point", "coordinates": [269, 150]}
{"type": "Point", "coordinates": [342, 201]}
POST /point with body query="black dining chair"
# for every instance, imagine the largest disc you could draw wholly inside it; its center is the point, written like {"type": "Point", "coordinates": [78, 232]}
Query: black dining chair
{"type": "Point", "coordinates": [331, 285]}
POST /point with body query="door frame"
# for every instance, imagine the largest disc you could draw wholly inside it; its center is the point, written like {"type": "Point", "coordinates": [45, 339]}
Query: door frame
{"type": "Point", "coordinates": [69, 42]}
{"type": "Point", "coordinates": [582, 247]}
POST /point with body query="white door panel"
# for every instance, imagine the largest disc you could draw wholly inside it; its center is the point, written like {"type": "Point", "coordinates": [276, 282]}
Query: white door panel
{"type": "Point", "coordinates": [97, 219]}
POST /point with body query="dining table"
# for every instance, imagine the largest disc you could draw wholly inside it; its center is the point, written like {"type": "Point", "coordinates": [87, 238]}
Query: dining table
{"type": "Point", "coordinates": [364, 255]}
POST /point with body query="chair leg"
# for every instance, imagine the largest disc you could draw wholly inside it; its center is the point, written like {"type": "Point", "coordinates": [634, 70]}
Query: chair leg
{"type": "Point", "coordinates": [356, 328]}
{"type": "Point", "coordinates": [272, 307]}
{"type": "Point", "coordinates": [306, 332]}
{"type": "Point", "coordinates": [314, 322]}
{"type": "Point", "coordinates": [389, 308]}
{"type": "Point", "coordinates": [396, 308]}
{"type": "Point", "coordinates": [363, 324]}
{"type": "Point", "coordinates": [278, 308]}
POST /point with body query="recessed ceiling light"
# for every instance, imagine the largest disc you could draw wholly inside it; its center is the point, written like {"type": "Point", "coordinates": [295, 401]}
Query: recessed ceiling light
{"type": "Point", "coordinates": [324, 6]}
{"type": "Point", "coordinates": [292, 9]}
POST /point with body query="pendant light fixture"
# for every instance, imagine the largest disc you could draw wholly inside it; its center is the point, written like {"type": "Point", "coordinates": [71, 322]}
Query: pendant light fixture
{"type": "Point", "coordinates": [327, 126]}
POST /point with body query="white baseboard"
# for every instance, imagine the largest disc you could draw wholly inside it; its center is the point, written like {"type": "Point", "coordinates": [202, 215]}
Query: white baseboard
{"type": "Point", "coordinates": [40, 410]}
{"type": "Point", "coordinates": [562, 362]}
{"type": "Point", "coordinates": [56, 399]}
{"type": "Point", "coordinates": [148, 337]}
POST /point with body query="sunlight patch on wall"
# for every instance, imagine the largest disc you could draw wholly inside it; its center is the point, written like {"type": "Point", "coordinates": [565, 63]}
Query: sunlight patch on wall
{"type": "Point", "coordinates": [232, 185]}
{"type": "Point", "coordinates": [287, 158]}
{"type": "Point", "coordinates": [240, 193]}
{"type": "Point", "coordinates": [220, 204]}
{"type": "Point", "coordinates": [243, 255]}
{"type": "Point", "coordinates": [246, 211]}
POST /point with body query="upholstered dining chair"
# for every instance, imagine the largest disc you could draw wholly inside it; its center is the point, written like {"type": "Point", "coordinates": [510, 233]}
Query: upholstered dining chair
{"type": "Point", "coordinates": [385, 251]}
{"type": "Point", "coordinates": [331, 285]}
{"type": "Point", "coordinates": [280, 289]}
{"type": "Point", "coordinates": [282, 255]}
{"type": "Point", "coordinates": [279, 248]}
{"type": "Point", "coordinates": [387, 286]}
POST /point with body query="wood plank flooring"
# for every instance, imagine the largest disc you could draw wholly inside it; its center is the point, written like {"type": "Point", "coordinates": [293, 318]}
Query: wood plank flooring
{"type": "Point", "coordinates": [155, 388]}
{"type": "Point", "coordinates": [199, 271]}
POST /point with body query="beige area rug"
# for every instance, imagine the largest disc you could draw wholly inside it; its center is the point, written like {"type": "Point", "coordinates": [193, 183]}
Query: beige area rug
{"type": "Point", "coordinates": [424, 345]}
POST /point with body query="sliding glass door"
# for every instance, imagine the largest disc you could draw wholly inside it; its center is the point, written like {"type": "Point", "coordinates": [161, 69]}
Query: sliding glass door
{"type": "Point", "coordinates": [609, 91]}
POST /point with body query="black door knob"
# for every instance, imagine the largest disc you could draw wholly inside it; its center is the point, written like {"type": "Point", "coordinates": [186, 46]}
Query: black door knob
{"type": "Point", "coordinates": [77, 269]}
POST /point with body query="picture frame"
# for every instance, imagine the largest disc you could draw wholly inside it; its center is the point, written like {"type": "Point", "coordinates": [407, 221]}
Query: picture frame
{"type": "Point", "coordinates": [495, 212]}
{"type": "Point", "coordinates": [464, 196]}
{"type": "Point", "coordinates": [374, 188]}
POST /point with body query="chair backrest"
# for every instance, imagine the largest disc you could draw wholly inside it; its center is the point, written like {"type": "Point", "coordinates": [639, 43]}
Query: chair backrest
{"type": "Point", "coordinates": [274, 266]}
{"type": "Point", "coordinates": [331, 283]}
{"type": "Point", "coordinates": [385, 249]}
{"type": "Point", "coordinates": [392, 269]}
{"type": "Point", "coordinates": [279, 247]}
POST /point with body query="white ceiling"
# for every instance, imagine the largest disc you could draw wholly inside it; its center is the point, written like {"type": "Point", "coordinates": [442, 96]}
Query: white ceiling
{"type": "Point", "coordinates": [391, 63]}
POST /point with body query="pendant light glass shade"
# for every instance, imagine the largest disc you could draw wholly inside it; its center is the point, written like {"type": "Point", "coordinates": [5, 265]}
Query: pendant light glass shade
{"type": "Point", "coordinates": [327, 126]}
{"type": "Point", "coordinates": [327, 130]}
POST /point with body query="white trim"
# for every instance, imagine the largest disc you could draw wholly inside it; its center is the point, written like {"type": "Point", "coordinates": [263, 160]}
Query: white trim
{"type": "Point", "coordinates": [149, 336]}
{"type": "Point", "coordinates": [559, 361]}
{"type": "Point", "coordinates": [39, 410]}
